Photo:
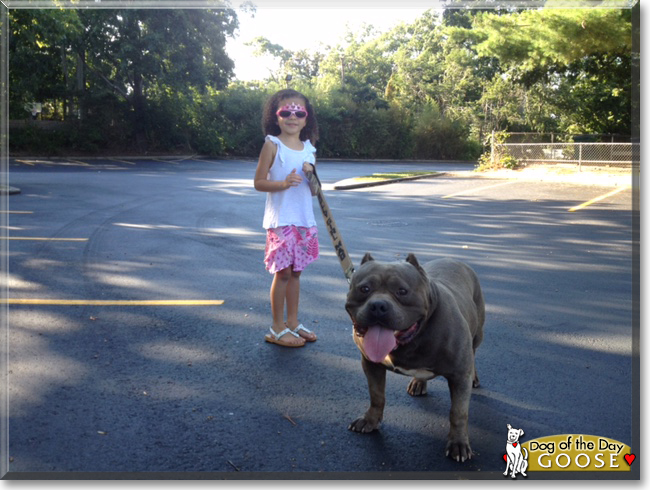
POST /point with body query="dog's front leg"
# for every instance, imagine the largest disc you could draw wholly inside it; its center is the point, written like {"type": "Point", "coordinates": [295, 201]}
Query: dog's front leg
{"type": "Point", "coordinates": [508, 462]}
{"type": "Point", "coordinates": [460, 389]}
{"type": "Point", "coordinates": [515, 465]}
{"type": "Point", "coordinates": [376, 376]}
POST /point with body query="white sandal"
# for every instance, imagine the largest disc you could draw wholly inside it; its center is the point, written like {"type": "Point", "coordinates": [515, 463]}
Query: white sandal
{"type": "Point", "coordinates": [274, 338]}
{"type": "Point", "coordinates": [306, 330]}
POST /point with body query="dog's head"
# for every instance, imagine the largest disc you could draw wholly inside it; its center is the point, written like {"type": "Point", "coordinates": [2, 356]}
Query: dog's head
{"type": "Point", "coordinates": [514, 434]}
{"type": "Point", "coordinates": [388, 302]}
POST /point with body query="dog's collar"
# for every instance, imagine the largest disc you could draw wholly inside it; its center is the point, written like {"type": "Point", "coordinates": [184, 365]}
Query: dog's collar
{"type": "Point", "coordinates": [513, 443]}
{"type": "Point", "coordinates": [407, 335]}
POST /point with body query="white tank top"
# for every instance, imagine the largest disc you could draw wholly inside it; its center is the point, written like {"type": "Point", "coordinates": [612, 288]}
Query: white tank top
{"type": "Point", "coordinates": [293, 206]}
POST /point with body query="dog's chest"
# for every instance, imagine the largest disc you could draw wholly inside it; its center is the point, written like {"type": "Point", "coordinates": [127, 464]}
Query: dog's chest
{"type": "Point", "coordinates": [513, 450]}
{"type": "Point", "coordinates": [418, 373]}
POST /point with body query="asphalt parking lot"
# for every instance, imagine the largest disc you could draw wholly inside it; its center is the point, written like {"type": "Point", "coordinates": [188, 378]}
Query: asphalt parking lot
{"type": "Point", "coordinates": [138, 303]}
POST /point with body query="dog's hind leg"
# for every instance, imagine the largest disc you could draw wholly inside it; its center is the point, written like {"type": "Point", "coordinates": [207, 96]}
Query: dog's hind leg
{"type": "Point", "coordinates": [417, 387]}
{"type": "Point", "coordinates": [460, 389]}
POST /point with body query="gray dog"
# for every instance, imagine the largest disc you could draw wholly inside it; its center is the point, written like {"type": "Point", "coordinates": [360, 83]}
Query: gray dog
{"type": "Point", "coordinates": [421, 322]}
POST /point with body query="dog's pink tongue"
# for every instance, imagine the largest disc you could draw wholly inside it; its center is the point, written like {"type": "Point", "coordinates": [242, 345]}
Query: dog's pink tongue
{"type": "Point", "coordinates": [378, 342]}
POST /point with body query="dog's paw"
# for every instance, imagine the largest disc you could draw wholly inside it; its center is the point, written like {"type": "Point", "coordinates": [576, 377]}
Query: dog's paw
{"type": "Point", "coordinates": [459, 451]}
{"type": "Point", "coordinates": [417, 388]}
{"type": "Point", "coordinates": [363, 425]}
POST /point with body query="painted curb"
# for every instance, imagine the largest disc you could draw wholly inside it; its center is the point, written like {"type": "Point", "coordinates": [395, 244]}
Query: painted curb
{"type": "Point", "coordinates": [6, 189]}
{"type": "Point", "coordinates": [342, 186]}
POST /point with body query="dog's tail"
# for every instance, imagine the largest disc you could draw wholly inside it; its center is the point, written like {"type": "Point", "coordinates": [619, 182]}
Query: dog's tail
{"type": "Point", "coordinates": [526, 451]}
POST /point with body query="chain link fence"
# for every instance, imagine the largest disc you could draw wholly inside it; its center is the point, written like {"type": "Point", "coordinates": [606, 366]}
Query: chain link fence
{"type": "Point", "coordinates": [622, 155]}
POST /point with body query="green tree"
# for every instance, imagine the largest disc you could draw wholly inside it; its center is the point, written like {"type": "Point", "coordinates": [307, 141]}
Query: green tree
{"type": "Point", "coordinates": [41, 57]}
{"type": "Point", "coordinates": [542, 39]}
{"type": "Point", "coordinates": [361, 66]}
{"type": "Point", "coordinates": [576, 63]}
{"type": "Point", "coordinates": [292, 66]}
{"type": "Point", "coordinates": [136, 54]}
{"type": "Point", "coordinates": [430, 89]}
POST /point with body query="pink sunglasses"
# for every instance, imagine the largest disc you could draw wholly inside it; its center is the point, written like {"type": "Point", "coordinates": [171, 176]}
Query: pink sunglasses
{"type": "Point", "coordinates": [297, 110]}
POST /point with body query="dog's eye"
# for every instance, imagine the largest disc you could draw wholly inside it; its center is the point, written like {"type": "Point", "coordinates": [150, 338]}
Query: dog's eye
{"type": "Point", "coordinates": [402, 292]}
{"type": "Point", "coordinates": [364, 289]}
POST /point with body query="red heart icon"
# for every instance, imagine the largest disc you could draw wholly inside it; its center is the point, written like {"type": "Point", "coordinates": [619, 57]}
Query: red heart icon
{"type": "Point", "coordinates": [514, 444]}
{"type": "Point", "coordinates": [630, 458]}
{"type": "Point", "coordinates": [505, 458]}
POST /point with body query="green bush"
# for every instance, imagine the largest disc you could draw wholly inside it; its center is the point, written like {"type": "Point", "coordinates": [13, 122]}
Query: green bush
{"type": "Point", "coordinates": [485, 162]}
{"type": "Point", "coordinates": [437, 137]}
{"type": "Point", "coordinates": [500, 159]}
{"type": "Point", "coordinates": [36, 141]}
{"type": "Point", "coordinates": [362, 129]}
{"type": "Point", "coordinates": [228, 122]}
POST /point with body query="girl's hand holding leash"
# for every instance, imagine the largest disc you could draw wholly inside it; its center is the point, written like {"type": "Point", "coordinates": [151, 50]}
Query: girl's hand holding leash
{"type": "Point", "coordinates": [312, 180]}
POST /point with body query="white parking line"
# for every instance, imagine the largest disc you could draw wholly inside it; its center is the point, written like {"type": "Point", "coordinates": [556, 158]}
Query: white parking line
{"type": "Point", "coordinates": [478, 189]}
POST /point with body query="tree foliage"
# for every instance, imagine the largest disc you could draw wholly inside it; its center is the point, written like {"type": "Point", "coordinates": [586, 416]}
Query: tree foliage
{"type": "Point", "coordinates": [160, 80]}
{"type": "Point", "coordinates": [125, 68]}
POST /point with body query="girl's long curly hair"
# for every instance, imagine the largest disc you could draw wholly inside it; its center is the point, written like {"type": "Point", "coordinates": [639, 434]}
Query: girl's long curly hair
{"type": "Point", "coordinates": [270, 119]}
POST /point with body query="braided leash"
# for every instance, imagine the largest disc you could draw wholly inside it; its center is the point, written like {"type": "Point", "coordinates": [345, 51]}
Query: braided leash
{"type": "Point", "coordinates": [337, 241]}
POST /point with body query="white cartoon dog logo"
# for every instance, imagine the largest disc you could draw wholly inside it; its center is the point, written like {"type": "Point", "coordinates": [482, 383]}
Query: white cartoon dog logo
{"type": "Point", "coordinates": [515, 460]}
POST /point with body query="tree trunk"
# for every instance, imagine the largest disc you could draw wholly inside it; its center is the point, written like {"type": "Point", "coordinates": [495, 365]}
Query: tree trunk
{"type": "Point", "coordinates": [139, 113]}
{"type": "Point", "coordinates": [64, 65]}
{"type": "Point", "coordinates": [81, 85]}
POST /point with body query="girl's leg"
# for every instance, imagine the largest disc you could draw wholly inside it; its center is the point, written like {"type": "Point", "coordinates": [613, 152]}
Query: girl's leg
{"type": "Point", "coordinates": [293, 300]}
{"type": "Point", "coordinates": [279, 290]}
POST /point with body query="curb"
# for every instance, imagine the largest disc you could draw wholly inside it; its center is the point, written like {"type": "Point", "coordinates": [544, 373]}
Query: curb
{"type": "Point", "coordinates": [342, 186]}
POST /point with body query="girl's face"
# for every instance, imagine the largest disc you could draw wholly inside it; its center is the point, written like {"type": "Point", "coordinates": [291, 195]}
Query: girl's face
{"type": "Point", "coordinates": [288, 114]}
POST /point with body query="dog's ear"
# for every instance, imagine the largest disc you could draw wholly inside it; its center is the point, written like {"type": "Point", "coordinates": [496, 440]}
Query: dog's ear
{"type": "Point", "coordinates": [366, 258]}
{"type": "Point", "coordinates": [410, 258]}
{"type": "Point", "coordinates": [509, 427]}
{"type": "Point", "coordinates": [521, 432]}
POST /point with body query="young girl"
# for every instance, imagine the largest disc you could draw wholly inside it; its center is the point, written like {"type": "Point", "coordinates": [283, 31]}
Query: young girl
{"type": "Point", "coordinates": [291, 234]}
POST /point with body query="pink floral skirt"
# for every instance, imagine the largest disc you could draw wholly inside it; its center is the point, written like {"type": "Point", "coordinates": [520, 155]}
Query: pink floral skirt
{"type": "Point", "coordinates": [290, 245]}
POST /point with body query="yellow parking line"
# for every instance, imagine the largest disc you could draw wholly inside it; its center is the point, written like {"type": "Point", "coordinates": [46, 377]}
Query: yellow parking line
{"type": "Point", "coordinates": [96, 302]}
{"type": "Point", "coordinates": [599, 198]}
{"type": "Point", "coordinates": [78, 162]}
{"type": "Point", "coordinates": [470, 191]}
{"type": "Point", "coordinates": [173, 162]}
{"type": "Point", "coordinates": [47, 239]}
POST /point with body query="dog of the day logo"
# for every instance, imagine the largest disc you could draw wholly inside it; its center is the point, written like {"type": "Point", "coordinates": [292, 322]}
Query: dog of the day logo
{"type": "Point", "coordinates": [516, 456]}
{"type": "Point", "coordinates": [577, 452]}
